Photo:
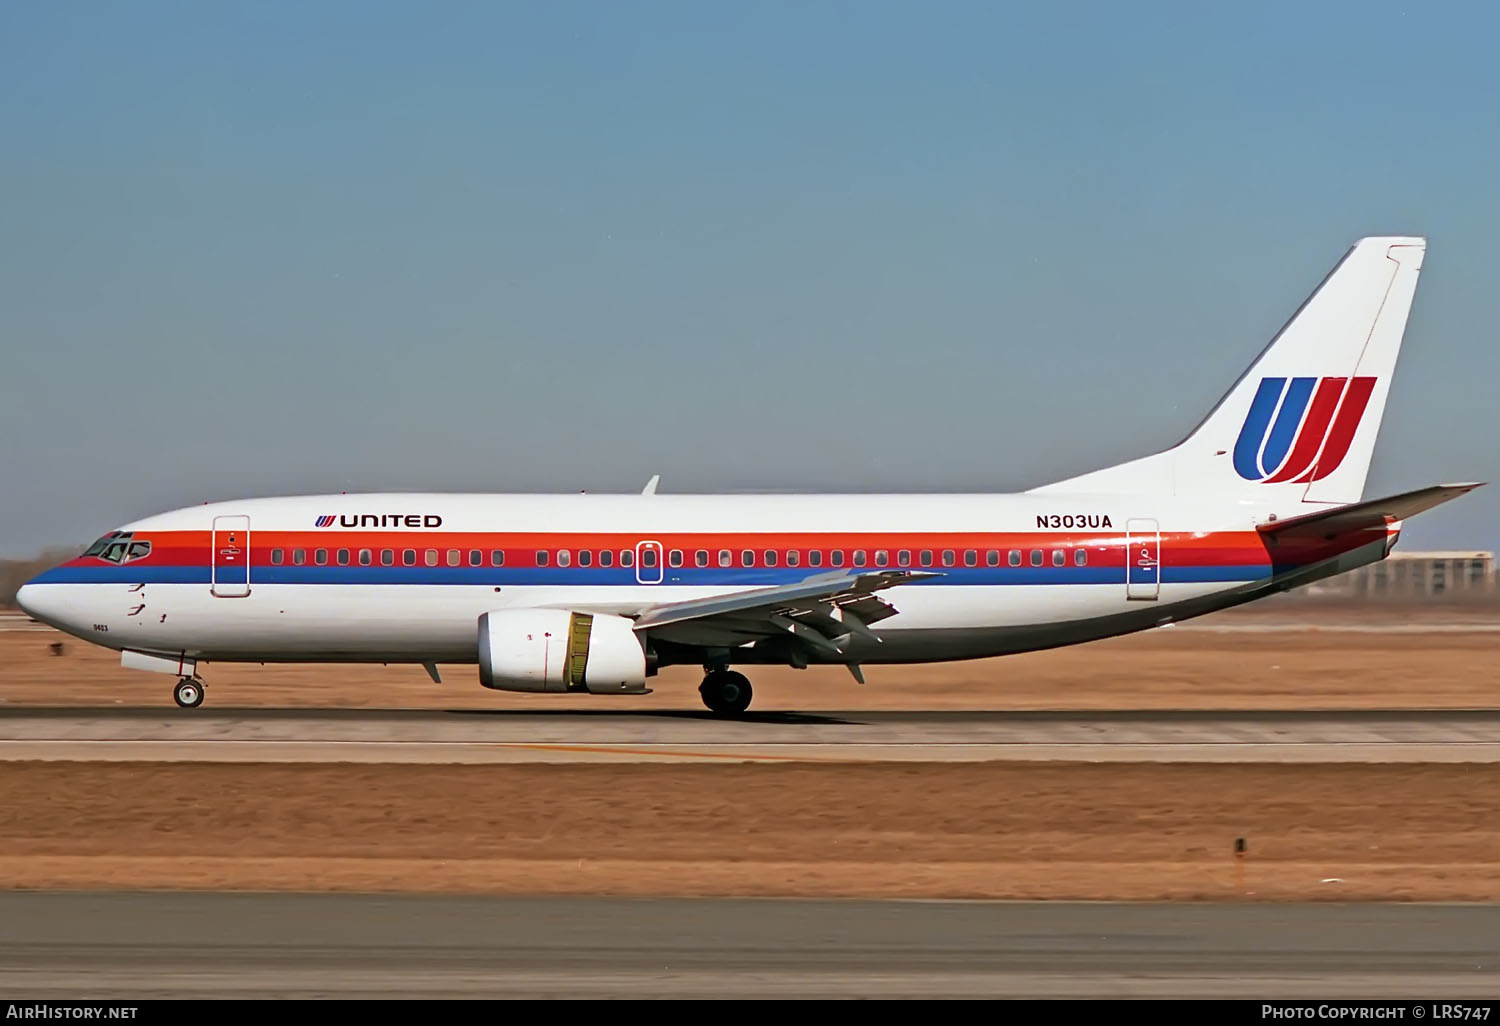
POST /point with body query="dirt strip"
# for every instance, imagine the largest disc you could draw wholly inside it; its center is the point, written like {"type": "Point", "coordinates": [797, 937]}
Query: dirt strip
{"type": "Point", "coordinates": [1054, 830]}
{"type": "Point", "coordinates": [1161, 669]}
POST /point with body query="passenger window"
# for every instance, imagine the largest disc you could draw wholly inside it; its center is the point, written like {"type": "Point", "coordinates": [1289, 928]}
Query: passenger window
{"type": "Point", "coordinates": [276, 557]}
{"type": "Point", "coordinates": [992, 557]}
{"type": "Point", "coordinates": [299, 557]}
{"type": "Point", "coordinates": [971, 558]}
{"type": "Point", "coordinates": [1080, 557]}
{"type": "Point", "coordinates": [564, 557]}
{"type": "Point", "coordinates": [1059, 557]}
{"type": "Point", "coordinates": [926, 557]}
{"type": "Point", "coordinates": [453, 558]}
{"type": "Point", "coordinates": [343, 557]}
{"type": "Point", "coordinates": [903, 558]}
{"type": "Point", "coordinates": [366, 557]}
{"type": "Point", "coordinates": [1036, 557]}
{"type": "Point", "coordinates": [648, 558]}
{"type": "Point", "coordinates": [387, 557]}
{"type": "Point", "coordinates": [476, 558]}
{"type": "Point", "coordinates": [541, 557]}
{"type": "Point", "coordinates": [409, 557]}
{"type": "Point", "coordinates": [430, 557]}
{"type": "Point", "coordinates": [725, 559]}
{"type": "Point", "coordinates": [747, 558]}
{"type": "Point", "coordinates": [770, 555]}
{"type": "Point", "coordinates": [881, 557]}
{"type": "Point", "coordinates": [948, 557]}
{"type": "Point", "coordinates": [674, 558]}
{"type": "Point", "coordinates": [859, 557]}
{"type": "Point", "coordinates": [815, 557]}
{"type": "Point", "coordinates": [497, 557]}
{"type": "Point", "coordinates": [585, 557]}
{"type": "Point", "coordinates": [627, 557]}
{"type": "Point", "coordinates": [700, 558]}
{"type": "Point", "coordinates": [606, 557]}
{"type": "Point", "coordinates": [320, 556]}
{"type": "Point", "coordinates": [792, 557]}
{"type": "Point", "coordinates": [836, 557]}
{"type": "Point", "coordinates": [1015, 557]}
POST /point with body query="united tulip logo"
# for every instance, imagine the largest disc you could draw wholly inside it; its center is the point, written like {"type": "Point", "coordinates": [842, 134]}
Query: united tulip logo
{"type": "Point", "coordinates": [1300, 429]}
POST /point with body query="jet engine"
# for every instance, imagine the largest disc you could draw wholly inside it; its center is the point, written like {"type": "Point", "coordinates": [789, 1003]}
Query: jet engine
{"type": "Point", "coordinates": [560, 650]}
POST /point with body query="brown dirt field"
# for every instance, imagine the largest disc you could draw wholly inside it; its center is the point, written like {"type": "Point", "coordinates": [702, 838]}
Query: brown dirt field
{"type": "Point", "coordinates": [995, 830]}
{"type": "Point", "coordinates": [1176, 668]}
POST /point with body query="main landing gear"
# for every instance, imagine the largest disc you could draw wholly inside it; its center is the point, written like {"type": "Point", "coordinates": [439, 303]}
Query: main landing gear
{"type": "Point", "coordinates": [188, 693]}
{"type": "Point", "coordinates": [726, 692]}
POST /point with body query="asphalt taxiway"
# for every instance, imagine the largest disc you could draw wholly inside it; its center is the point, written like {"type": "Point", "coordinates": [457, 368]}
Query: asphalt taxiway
{"type": "Point", "coordinates": [122, 946]}
{"type": "Point", "coordinates": [380, 736]}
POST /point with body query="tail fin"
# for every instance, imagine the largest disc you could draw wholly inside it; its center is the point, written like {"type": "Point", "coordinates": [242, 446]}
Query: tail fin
{"type": "Point", "coordinates": [1300, 424]}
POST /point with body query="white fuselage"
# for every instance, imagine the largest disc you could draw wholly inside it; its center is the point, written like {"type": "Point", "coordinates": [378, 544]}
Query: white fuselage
{"type": "Point", "coordinates": [404, 577]}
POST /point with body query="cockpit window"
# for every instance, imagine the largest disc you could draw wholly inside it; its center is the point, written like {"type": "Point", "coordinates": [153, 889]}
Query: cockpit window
{"type": "Point", "coordinates": [97, 549]}
{"type": "Point", "coordinates": [119, 547]}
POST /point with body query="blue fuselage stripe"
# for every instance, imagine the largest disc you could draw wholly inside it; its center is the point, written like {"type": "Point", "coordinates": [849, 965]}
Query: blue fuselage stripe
{"type": "Point", "coordinates": [707, 577]}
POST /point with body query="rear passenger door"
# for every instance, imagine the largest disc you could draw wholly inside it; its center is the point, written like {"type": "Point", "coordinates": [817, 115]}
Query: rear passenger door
{"type": "Point", "coordinates": [1142, 559]}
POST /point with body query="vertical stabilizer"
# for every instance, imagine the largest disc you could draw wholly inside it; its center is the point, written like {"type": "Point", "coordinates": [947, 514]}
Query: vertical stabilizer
{"type": "Point", "coordinates": [1300, 424]}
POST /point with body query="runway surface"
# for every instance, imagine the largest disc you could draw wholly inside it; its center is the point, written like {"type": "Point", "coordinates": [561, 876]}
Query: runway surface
{"type": "Point", "coordinates": [122, 946]}
{"type": "Point", "coordinates": [593, 735]}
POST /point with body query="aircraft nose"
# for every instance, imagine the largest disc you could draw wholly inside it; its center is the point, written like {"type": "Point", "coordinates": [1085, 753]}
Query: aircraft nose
{"type": "Point", "coordinates": [41, 602]}
{"type": "Point", "coordinates": [26, 597]}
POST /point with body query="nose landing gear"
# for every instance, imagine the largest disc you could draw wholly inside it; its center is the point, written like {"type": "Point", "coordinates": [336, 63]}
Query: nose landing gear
{"type": "Point", "coordinates": [188, 693]}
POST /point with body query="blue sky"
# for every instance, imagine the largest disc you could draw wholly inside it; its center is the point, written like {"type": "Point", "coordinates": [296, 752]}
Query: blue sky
{"type": "Point", "coordinates": [252, 249]}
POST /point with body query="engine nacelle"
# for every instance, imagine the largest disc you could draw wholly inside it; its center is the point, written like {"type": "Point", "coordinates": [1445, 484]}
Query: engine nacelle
{"type": "Point", "coordinates": [560, 650]}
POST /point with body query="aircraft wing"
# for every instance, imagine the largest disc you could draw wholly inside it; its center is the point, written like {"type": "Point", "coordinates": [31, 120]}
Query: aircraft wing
{"type": "Point", "coordinates": [825, 611]}
{"type": "Point", "coordinates": [1369, 514]}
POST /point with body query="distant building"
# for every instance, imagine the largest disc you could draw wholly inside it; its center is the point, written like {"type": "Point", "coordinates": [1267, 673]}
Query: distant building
{"type": "Point", "coordinates": [1416, 575]}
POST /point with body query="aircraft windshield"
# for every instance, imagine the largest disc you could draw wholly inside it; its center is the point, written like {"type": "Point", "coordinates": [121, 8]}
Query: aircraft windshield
{"type": "Point", "coordinates": [119, 547]}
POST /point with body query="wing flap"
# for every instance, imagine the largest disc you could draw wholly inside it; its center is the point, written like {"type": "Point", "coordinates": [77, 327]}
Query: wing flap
{"type": "Point", "coordinates": [822, 611]}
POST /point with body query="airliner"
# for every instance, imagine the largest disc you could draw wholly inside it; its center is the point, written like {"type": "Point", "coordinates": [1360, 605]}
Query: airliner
{"type": "Point", "coordinates": [596, 593]}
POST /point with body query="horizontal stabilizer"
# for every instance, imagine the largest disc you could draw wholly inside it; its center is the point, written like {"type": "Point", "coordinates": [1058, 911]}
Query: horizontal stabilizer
{"type": "Point", "coordinates": [1373, 513]}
